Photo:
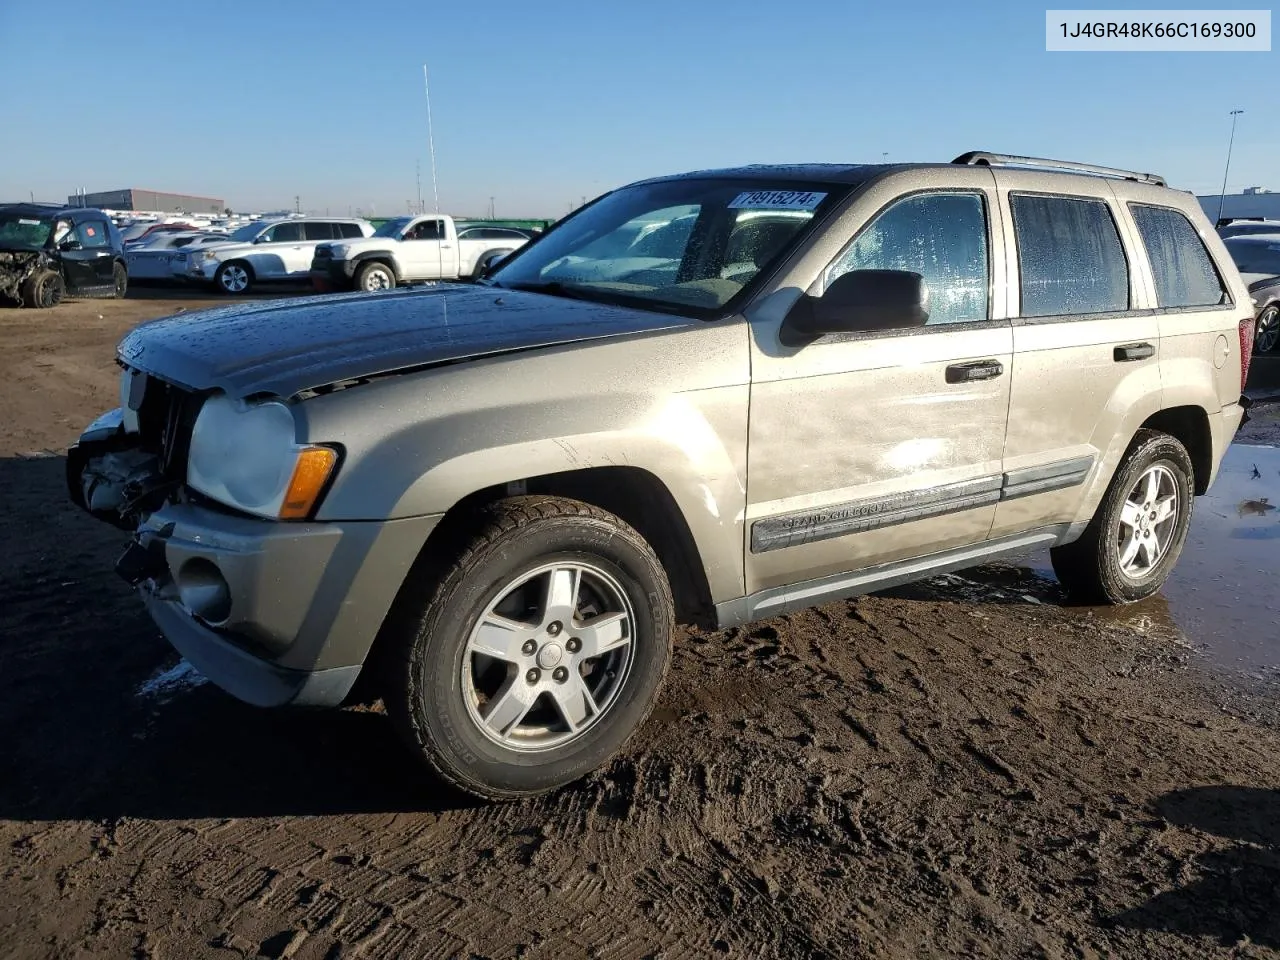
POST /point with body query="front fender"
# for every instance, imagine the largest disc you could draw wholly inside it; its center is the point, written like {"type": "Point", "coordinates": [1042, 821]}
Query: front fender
{"type": "Point", "coordinates": [418, 444]}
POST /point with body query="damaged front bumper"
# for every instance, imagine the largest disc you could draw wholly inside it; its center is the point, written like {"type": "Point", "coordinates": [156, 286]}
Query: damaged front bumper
{"type": "Point", "coordinates": [16, 267]}
{"type": "Point", "coordinates": [273, 612]}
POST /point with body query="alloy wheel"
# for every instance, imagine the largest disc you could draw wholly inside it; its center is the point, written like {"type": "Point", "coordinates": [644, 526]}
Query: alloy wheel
{"type": "Point", "coordinates": [1148, 520]}
{"type": "Point", "coordinates": [1268, 330]}
{"type": "Point", "coordinates": [549, 656]}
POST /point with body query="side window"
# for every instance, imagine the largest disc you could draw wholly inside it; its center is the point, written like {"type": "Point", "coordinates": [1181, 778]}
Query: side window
{"type": "Point", "coordinates": [1253, 257]}
{"type": "Point", "coordinates": [1183, 270]}
{"type": "Point", "coordinates": [318, 231]}
{"type": "Point", "coordinates": [426, 230]}
{"type": "Point", "coordinates": [942, 237]}
{"type": "Point", "coordinates": [348, 230]}
{"type": "Point", "coordinates": [93, 234]}
{"type": "Point", "coordinates": [284, 233]}
{"type": "Point", "coordinates": [1069, 257]}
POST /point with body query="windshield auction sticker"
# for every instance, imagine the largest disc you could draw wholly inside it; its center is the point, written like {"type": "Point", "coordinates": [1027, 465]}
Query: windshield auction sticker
{"type": "Point", "coordinates": [1158, 30]}
{"type": "Point", "coordinates": [777, 200]}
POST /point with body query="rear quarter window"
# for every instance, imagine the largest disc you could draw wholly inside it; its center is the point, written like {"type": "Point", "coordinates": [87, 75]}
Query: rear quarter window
{"type": "Point", "coordinates": [1184, 272]}
{"type": "Point", "coordinates": [1070, 258]}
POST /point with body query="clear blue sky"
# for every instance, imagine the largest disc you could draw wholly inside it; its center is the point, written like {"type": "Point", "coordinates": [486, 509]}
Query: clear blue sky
{"type": "Point", "coordinates": [538, 103]}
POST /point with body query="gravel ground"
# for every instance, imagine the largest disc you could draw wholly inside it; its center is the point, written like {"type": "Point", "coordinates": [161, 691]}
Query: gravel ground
{"type": "Point", "coordinates": [963, 767]}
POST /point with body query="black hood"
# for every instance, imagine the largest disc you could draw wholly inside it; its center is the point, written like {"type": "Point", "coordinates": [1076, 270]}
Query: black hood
{"type": "Point", "coordinates": [282, 347]}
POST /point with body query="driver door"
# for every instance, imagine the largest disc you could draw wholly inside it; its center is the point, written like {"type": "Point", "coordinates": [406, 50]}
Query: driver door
{"type": "Point", "coordinates": [79, 262]}
{"type": "Point", "coordinates": [427, 252]}
{"type": "Point", "coordinates": [270, 258]}
{"type": "Point", "coordinates": [867, 448]}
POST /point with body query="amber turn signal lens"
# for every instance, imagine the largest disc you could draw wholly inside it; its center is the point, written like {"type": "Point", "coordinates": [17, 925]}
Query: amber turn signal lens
{"type": "Point", "coordinates": [309, 477]}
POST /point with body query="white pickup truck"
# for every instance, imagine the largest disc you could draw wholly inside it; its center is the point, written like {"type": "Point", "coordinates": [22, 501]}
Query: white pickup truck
{"type": "Point", "coordinates": [410, 249]}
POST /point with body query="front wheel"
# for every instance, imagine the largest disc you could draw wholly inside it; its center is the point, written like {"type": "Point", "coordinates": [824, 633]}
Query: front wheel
{"type": "Point", "coordinates": [120, 280]}
{"type": "Point", "coordinates": [44, 290]}
{"type": "Point", "coordinates": [1135, 537]}
{"type": "Point", "coordinates": [374, 277]}
{"type": "Point", "coordinates": [233, 278]}
{"type": "Point", "coordinates": [537, 653]}
{"type": "Point", "coordinates": [1268, 335]}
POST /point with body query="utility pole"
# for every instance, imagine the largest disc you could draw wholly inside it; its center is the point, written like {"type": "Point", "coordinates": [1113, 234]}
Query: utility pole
{"type": "Point", "coordinates": [1222, 198]}
{"type": "Point", "coordinates": [297, 204]}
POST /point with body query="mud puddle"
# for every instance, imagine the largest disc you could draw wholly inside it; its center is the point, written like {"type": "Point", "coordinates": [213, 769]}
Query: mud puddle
{"type": "Point", "coordinates": [1223, 599]}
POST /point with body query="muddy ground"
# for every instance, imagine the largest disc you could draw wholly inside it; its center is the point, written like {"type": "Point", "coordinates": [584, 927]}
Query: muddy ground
{"type": "Point", "coordinates": [966, 767]}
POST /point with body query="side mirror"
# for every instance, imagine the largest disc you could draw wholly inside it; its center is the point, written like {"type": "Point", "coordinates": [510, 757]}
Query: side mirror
{"type": "Point", "coordinates": [864, 300]}
{"type": "Point", "coordinates": [66, 246]}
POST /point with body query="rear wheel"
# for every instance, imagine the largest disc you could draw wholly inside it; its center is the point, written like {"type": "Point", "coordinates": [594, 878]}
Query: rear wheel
{"type": "Point", "coordinates": [1138, 531]}
{"type": "Point", "coordinates": [533, 658]}
{"type": "Point", "coordinates": [375, 276]}
{"type": "Point", "coordinates": [43, 290]}
{"type": "Point", "coordinates": [234, 277]}
{"type": "Point", "coordinates": [1268, 335]}
{"type": "Point", "coordinates": [121, 277]}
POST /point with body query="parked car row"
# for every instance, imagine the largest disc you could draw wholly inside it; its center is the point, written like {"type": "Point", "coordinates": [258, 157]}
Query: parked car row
{"type": "Point", "coordinates": [330, 252]}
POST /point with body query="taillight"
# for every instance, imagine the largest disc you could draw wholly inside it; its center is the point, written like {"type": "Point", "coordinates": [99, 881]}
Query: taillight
{"type": "Point", "coordinates": [1246, 349]}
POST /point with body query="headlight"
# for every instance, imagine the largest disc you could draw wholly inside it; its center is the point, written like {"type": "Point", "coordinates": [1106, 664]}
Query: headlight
{"type": "Point", "coordinates": [244, 455]}
{"type": "Point", "coordinates": [339, 250]}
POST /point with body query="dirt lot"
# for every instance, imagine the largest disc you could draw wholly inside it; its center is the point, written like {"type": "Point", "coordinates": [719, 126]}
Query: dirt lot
{"type": "Point", "coordinates": [966, 767]}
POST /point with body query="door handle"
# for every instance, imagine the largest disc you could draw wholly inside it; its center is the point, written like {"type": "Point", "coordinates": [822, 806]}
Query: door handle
{"type": "Point", "coordinates": [974, 370]}
{"type": "Point", "coordinates": [1129, 352]}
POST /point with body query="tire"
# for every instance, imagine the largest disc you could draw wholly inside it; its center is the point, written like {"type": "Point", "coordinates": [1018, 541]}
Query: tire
{"type": "Point", "coordinates": [43, 290]}
{"type": "Point", "coordinates": [120, 276]}
{"type": "Point", "coordinates": [1093, 568]}
{"type": "Point", "coordinates": [1267, 337]}
{"type": "Point", "coordinates": [235, 277]}
{"type": "Point", "coordinates": [375, 276]}
{"type": "Point", "coordinates": [434, 678]}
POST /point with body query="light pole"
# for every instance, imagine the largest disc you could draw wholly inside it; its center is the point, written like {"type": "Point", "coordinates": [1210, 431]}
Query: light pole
{"type": "Point", "coordinates": [1222, 198]}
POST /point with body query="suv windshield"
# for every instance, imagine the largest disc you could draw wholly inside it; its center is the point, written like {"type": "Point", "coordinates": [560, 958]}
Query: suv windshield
{"type": "Point", "coordinates": [392, 228]}
{"type": "Point", "coordinates": [684, 246]}
{"type": "Point", "coordinates": [24, 231]}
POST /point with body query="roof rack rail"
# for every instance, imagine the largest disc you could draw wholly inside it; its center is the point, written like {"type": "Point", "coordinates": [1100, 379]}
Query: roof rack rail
{"type": "Point", "coordinates": [981, 158]}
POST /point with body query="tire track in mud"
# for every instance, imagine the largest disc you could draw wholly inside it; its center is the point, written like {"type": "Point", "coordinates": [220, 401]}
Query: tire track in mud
{"type": "Point", "coordinates": [943, 770]}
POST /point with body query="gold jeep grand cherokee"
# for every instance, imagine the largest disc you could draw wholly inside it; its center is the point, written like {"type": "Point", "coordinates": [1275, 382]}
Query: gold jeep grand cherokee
{"type": "Point", "coordinates": [713, 397]}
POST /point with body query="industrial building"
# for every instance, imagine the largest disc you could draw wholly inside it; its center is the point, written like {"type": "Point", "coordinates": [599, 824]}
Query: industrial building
{"type": "Point", "coordinates": [132, 198]}
{"type": "Point", "coordinates": [1256, 203]}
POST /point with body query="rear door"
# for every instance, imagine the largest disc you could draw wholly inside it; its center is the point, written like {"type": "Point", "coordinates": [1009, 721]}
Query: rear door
{"type": "Point", "coordinates": [868, 448]}
{"type": "Point", "coordinates": [1086, 344]}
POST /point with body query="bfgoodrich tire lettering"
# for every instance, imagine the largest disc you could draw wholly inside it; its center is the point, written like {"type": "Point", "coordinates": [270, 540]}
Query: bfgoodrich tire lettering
{"type": "Point", "coordinates": [425, 683]}
{"type": "Point", "coordinates": [1137, 534]}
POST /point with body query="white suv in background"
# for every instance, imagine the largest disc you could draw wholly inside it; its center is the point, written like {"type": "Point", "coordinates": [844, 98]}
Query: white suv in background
{"type": "Point", "coordinates": [266, 251]}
